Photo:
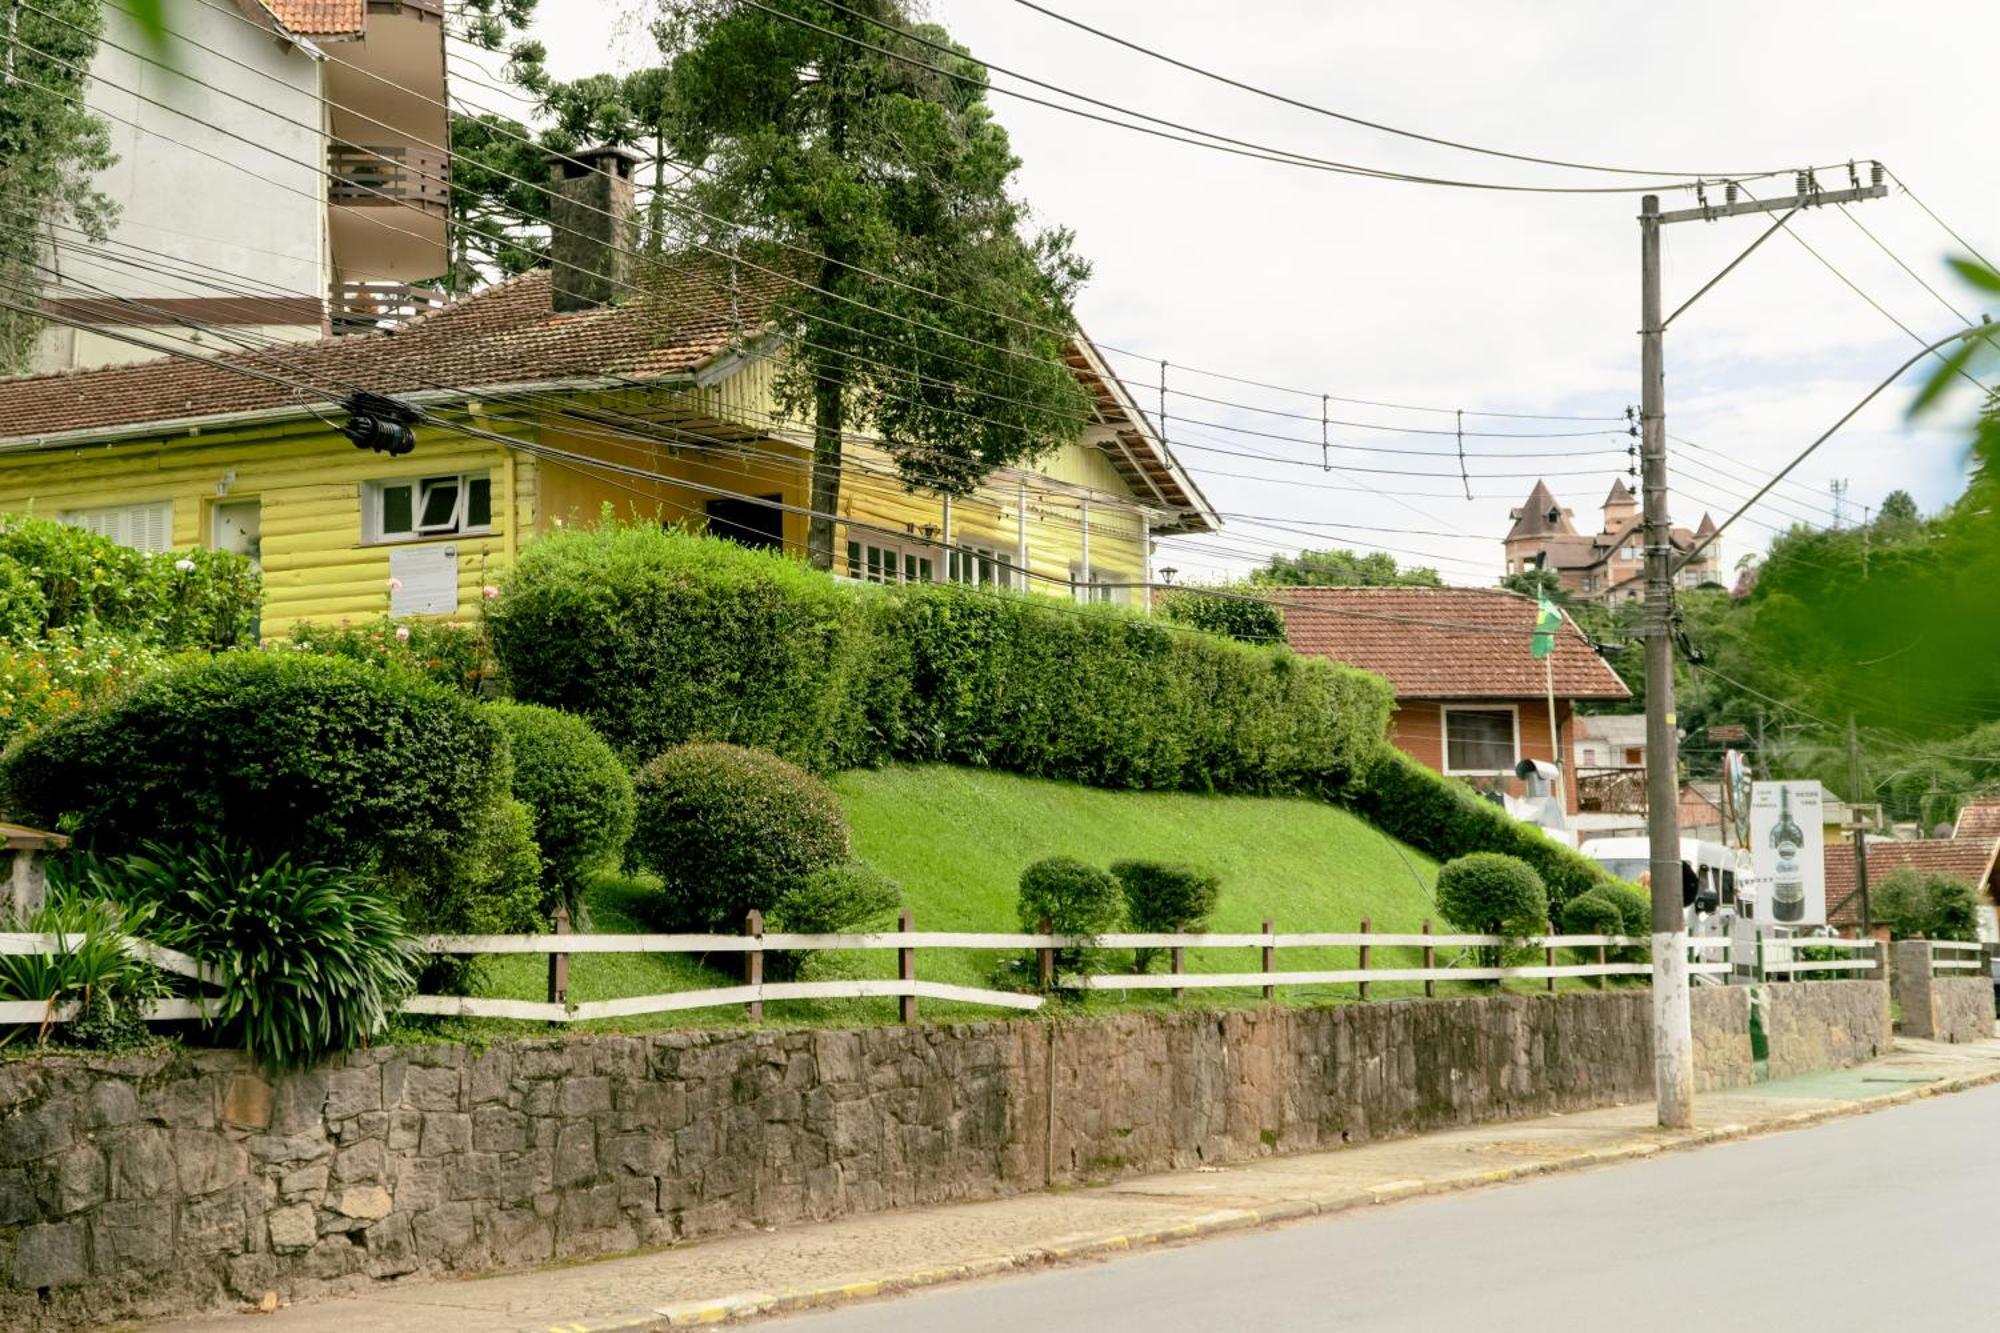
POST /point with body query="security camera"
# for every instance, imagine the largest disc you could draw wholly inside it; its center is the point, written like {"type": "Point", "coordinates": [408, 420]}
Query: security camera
{"type": "Point", "coordinates": [1536, 768]}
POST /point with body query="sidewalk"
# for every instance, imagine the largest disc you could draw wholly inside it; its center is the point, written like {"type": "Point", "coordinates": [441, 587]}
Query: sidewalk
{"type": "Point", "coordinates": [765, 1272]}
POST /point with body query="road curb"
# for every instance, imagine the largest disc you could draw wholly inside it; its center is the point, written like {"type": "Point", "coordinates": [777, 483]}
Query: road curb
{"type": "Point", "coordinates": [746, 1304]}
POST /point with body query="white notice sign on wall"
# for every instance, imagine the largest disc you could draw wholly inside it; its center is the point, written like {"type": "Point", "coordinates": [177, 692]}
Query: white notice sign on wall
{"type": "Point", "coordinates": [423, 581]}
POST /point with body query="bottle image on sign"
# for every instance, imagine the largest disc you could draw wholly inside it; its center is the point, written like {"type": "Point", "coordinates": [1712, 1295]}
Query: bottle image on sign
{"type": "Point", "coordinates": [1788, 879]}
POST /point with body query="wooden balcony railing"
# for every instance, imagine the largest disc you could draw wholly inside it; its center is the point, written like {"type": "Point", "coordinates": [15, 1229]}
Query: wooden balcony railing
{"type": "Point", "coordinates": [388, 175]}
{"type": "Point", "coordinates": [365, 307]}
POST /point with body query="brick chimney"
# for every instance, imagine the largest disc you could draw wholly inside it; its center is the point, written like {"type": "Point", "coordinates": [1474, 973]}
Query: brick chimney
{"type": "Point", "coordinates": [591, 227]}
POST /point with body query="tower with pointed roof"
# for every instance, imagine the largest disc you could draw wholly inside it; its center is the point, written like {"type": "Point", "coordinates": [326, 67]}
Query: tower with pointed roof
{"type": "Point", "coordinates": [1608, 565]}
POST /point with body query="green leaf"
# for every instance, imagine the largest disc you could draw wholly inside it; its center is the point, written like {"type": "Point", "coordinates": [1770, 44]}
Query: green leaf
{"type": "Point", "coordinates": [1945, 375]}
{"type": "Point", "coordinates": [1976, 274]}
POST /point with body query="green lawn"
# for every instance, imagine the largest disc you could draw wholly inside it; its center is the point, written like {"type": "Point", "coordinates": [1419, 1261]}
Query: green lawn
{"type": "Point", "coordinates": [957, 840]}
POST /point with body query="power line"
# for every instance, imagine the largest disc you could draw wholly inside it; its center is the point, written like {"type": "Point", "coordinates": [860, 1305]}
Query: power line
{"type": "Point", "coordinates": [1969, 246]}
{"type": "Point", "coordinates": [1316, 109]}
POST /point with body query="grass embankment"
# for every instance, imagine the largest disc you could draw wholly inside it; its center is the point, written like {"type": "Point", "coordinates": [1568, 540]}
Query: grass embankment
{"type": "Point", "coordinates": [957, 840]}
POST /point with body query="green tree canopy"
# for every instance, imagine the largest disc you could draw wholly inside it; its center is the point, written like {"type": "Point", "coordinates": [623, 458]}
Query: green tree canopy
{"type": "Point", "coordinates": [834, 144]}
{"type": "Point", "coordinates": [51, 151]}
{"type": "Point", "coordinates": [1337, 568]}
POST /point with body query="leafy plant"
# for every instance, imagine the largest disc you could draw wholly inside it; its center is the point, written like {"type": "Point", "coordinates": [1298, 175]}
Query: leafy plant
{"type": "Point", "coordinates": [326, 762]}
{"type": "Point", "coordinates": [58, 576]}
{"type": "Point", "coordinates": [727, 829]}
{"type": "Point", "coordinates": [1236, 613]}
{"type": "Point", "coordinates": [94, 968]}
{"type": "Point", "coordinates": [1488, 893]}
{"type": "Point", "coordinates": [1915, 904]}
{"type": "Point", "coordinates": [1161, 898]}
{"type": "Point", "coordinates": [578, 792]}
{"type": "Point", "coordinates": [1075, 898]}
{"type": "Point", "coordinates": [46, 679]}
{"type": "Point", "coordinates": [438, 651]}
{"type": "Point", "coordinates": [310, 960]}
{"type": "Point", "coordinates": [830, 901]}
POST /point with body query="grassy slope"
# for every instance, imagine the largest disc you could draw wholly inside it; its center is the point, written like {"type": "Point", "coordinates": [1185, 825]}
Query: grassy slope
{"type": "Point", "coordinates": [957, 840]}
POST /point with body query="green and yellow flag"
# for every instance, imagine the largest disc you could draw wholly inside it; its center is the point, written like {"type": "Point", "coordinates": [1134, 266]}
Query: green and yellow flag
{"type": "Point", "coordinates": [1548, 621]}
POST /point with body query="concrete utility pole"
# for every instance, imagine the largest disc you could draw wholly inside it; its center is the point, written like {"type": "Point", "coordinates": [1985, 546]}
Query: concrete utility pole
{"type": "Point", "coordinates": [1673, 1039]}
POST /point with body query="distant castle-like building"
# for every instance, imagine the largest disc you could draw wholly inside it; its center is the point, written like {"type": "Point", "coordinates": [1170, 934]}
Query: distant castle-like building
{"type": "Point", "coordinates": [1609, 565]}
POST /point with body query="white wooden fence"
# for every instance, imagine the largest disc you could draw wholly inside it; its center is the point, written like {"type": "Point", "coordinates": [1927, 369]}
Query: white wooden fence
{"type": "Point", "coordinates": [1957, 956]}
{"type": "Point", "coordinates": [1588, 956]}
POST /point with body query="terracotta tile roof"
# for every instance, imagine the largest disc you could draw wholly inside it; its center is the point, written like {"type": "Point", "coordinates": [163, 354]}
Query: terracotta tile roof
{"type": "Point", "coordinates": [1442, 643]}
{"type": "Point", "coordinates": [320, 18]}
{"type": "Point", "coordinates": [1970, 859]}
{"type": "Point", "coordinates": [1979, 819]}
{"type": "Point", "coordinates": [506, 334]}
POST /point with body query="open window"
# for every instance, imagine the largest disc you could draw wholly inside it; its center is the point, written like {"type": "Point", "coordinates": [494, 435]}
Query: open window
{"type": "Point", "coordinates": [411, 508]}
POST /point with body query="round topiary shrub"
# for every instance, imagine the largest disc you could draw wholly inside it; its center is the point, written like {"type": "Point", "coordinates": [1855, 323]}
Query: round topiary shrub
{"type": "Point", "coordinates": [727, 829]}
{"type": "Point", "coordinates": [577, 791]}
{"type": "Point", "coordinates": [1074, 897]}
{"type": "Point", "coordinates": [328, 762]}
{"type": "Point", "coordinates": [1489, 893]}
{"type": "Point", "coordinates": [1165, 898]}
{"type": "Point", "coordinates": [837, 899]}
{"type": "Point", "coordinates": [1593, 913]}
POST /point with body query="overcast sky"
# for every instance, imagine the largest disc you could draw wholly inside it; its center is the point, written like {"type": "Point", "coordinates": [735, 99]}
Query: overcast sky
{"type": "Point", "coordinates": [1503, 302]}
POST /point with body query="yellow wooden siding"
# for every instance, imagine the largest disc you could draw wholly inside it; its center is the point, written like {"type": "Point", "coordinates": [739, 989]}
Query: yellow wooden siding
{"type": "Point", "coordinates": [308, 482]}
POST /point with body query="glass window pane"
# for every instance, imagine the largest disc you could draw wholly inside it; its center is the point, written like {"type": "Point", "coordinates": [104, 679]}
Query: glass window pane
{"type": "Point", "coordinates": [1480, 741]}
{"type": "Point", "coordinates": [478, 502]}
{"type": "Point", "coordinates": [854, 560]}
{"type": "Point", "coordinates": [438, 504]}
{"type": "Point", "coordinates": [396, 510]}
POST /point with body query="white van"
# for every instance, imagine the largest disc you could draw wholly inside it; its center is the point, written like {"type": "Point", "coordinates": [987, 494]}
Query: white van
{"type": "Point", "coordinates": [1717, 882]}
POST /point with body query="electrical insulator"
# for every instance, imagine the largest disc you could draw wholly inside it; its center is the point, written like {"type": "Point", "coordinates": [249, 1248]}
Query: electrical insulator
{"type": "Point", "coordinates": [1874, 173]}
{"type": "Point", "coordinates": [1802, 183]}
{"type": "Point", "coordinates": [1729, 194]}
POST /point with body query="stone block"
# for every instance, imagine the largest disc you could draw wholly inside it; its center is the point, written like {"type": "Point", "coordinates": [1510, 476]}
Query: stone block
{"type": "Point", "coordinates": [489, 1076]}
{"type": "Point", "coordinates": [474, 1175]}
{"type": "Point", "coordinates": [584, 1096]}
{"type": "Point", "coordinates": [420, 1184]}
{"type": "Point", "coordinates": [71, 1181]}
{"type": "Point", "coordinates": [205, 1162]}
{"type": "Point", "coordinates": [307, 1182]}
{"type": "Point", "coordinates": [298, 1102]}
{"type": "Point", "coordinates": [445, 1132]}
{"type": "Point", "coordinates": [519, 1238]}
{"type": "Point", "coordinates": [391, 1247]}
{"type": "Point", "coordinates": [576, 1154]}
{"type": "Point", "coordinates": [141, 1163]}
{"type": "Point", "coordinates": [498, 1129]}
{"type": "Point", "coordinates": [432, 1089]}
{"type": "Point", "coordinates": [40, 1131]}
{"type": "Point", "coordinates": [109, 1104]}
{"type": "Point", "coordinates": [49, 1255]}
{"type": "Point", "coordinates": [17, 1197]}
{"type": "Point", "coordinates": [444, 1235]}
{"type": "Point", "coordinates": [246, 1102]}
{"type": "Point", "coordinates": [366, 1162]}
{"type": "Point", "coordinates": [252, 1277]}
{"type": "Point", "coordinates": [406, 1129]}
{"type": "Point", "coordinates": [293, 1229]}
{"type": "Point", "coordinates": [353, 1091]}
{"type": "Point", "coordinates": [129, 1239]}
{"type": "Point", "coordinates": [364, 1202]}
{"type": "Point", "coordinates": [213, 1225]}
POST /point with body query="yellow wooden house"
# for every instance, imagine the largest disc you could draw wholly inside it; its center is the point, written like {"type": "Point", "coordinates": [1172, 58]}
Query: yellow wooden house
{"type": "Point", "coordinates": [658, 407]}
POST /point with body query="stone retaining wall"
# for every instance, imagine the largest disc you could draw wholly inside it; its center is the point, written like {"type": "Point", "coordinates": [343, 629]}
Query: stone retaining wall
{"type": "Point", "coordinates": [1961, 1008]}
{"type": "Point", "coordinates": [144, 1185]}
{"type": "Point", "coordinates": [1819, 1025]}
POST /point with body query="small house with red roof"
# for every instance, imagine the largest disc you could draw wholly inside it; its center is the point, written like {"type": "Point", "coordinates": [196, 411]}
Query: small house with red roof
{"type": "Point", "coordinates": [1971, 857]}
{"type": "Point", "coordinates": [1472, 700]}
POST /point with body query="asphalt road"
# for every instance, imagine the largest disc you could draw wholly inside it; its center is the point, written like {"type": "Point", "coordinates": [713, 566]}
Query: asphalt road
{"type": "Point", "coordinates": [1882, 1221]}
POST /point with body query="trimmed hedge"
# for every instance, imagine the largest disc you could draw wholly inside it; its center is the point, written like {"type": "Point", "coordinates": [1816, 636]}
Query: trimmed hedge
{"type": "Point", "coordinates": [659, 637]}
{"type": "Point", "coordinates": [573, 785]}
{"type": "Point", "coordinates": [328, 761]}
{"type": "Point", "coordinates": [727, 829]}
{"type": "Point", "coordinates": [1444, 818]}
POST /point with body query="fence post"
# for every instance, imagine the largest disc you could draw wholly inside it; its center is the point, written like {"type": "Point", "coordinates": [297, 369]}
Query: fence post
{"type": "Point", "coordinates": [1549, 957]}
{"type": "Point", "coordinates": [1270, 962]}
{"type": "Point", "coordinates": [1365, 951]}
{"type": "Point", "coordinates": [559, 962]}
{"type": "Point", "coordinates": [753, 961]}
{"type": "Point", "coordinates": [1045, 957]}
{"type": "Point", "coordinates": [1430, 962]}
{"type": "Point", "coordinates": [1601, 957]}
{"type": "Point", "coordinates": [906, 969]}
{"type": "Point", "coordinates": [1179, 962]}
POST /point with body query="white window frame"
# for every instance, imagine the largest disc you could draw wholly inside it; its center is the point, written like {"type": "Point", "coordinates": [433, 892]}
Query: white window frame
{"type": "Point", "coordinates": [114, 522]}
{"type": "Point", "coordinates": [909, 557]}
{"type": "Point", "coordinates": [1445, 711]}
{"type": "Point", "coordinates": [987, 566]}
{"type": "Point", "coordinates": [374, 532]}
{"type": "Point", "coordinates": [1090, 585]}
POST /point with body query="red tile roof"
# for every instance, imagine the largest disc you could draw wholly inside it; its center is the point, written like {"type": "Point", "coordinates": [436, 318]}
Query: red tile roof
{"type": "Point", "coordinates": [1970, 859]}
{"type": "Point", "coordinates": [507, 334]}
{"type": "Point", "coordinates": [1979, 819]}
{"type": "Point", "coordinates": [320, 18]}
{"type": "Point", "coordinates": [1442, 643]}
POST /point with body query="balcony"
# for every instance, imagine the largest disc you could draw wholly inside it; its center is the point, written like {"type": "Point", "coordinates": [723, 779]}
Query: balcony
{"type": "Point", "coordinates": [390, 176]}
{"type": "Point", "coordinates": [367, 307]}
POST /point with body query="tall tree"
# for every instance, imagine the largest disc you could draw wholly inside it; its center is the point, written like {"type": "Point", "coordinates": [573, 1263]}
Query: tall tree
{"type": "Point", "coordinates": [51, 150]}
{"type": "Point", "coordinates": [1339, 568]}
{"type": "Point", "coordinates": [836, 146]}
